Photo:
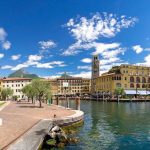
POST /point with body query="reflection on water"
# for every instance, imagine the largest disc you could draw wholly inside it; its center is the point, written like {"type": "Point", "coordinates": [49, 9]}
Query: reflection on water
{"type": "Point", "coordinates": [111, 126]}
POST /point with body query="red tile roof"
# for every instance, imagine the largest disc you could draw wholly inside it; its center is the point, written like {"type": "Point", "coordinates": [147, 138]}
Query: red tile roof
{"type": "Point", "coordinates": [14, 79]}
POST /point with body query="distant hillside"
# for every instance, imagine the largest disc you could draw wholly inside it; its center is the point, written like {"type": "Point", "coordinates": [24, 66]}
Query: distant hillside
{"type": "Point", "coordinates": [22, 74]}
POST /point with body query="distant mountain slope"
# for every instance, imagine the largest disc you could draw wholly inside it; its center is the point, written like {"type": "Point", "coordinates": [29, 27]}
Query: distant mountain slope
{"type": "Point", "coordinates": [22, 74]}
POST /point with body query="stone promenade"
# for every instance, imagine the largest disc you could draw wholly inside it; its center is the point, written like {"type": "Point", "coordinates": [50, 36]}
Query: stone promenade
{"type": "Point", "coordinates": [19, 117]}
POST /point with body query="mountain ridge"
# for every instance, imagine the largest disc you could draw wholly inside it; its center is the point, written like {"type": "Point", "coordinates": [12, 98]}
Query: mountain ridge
{"type": "Point", "coordinates": [22, 73]}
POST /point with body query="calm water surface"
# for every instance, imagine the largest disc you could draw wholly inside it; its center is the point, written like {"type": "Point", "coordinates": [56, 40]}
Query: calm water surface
{"type": "Point", "coordinates": [112, 126]}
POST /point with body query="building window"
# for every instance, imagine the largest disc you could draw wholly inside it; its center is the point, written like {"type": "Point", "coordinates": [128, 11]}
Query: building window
{"type": "Point", "coordinates": [131, 85]}
{"type": "Point", "coordinates": [143, 86]}
{"type": "Point", "coordinates": [125, 78]}
{"type": "Point", "coordinates": [138, 79]}
{"type": "Point", "coordinates": [137, 85]}
{"type": "Point", "coordinates": [148, 80]}
{"type": "Point", "coordinates": [143, 80]}
{"type": "Point", "coordinates": [118, 84]}
{"type": "Point", "coordinates": [131, 79]}
{"type": "Point", "coordinates": [118, 78]}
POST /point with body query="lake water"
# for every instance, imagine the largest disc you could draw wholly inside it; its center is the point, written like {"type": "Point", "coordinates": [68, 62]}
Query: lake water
{"type": "Point", "coordinates": [112, 126]}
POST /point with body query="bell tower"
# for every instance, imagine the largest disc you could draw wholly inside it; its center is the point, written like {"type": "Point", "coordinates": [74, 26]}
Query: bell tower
{"type": "Point", "coordinates": [95, 66]}
{"type": "Point", "coordinates": [95, 72]}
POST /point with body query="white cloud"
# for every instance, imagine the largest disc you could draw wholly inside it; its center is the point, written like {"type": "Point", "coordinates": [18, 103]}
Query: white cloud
{"type": "Point", "coordinates": [84, 67]}
{"type": "Point", "coordinates": [87, 31]}
{"type": "Point", "coordinates": [6, 45]}
{"type": "Point", "coordinates": [147, 49]}
{"type": "Point", "coordinates": [3, 34]}
{"type": "Point", "coordinates": [100, 25]}
{"type": "Point", "coordinates": [50, 64]}
{"type": "Point", "coordinates": [44, 65]}
{"type": "Point", "coordinates": [109, 61]}
{"type": "Point", "coordinates": [86, 60]}
{"type": "Point", "coordinates": [19, 66]}
{"type": "Point", "coordinates": [1, 55]}
{"type": "Point", "coordinates": [113, 53]}
{"type": "Point", "coordinates": [47, 44]}
{"type": "Point", "coordinates": [137, 48]}
{"type": "Point", "coordinates": [6, 67]}
{"type": "Point", "coordinates": [83, 74]}
{"type": "Point", "coordinates": [101, 47]}
{"type": "Point", "coordinates": [15, 57]}
{"type": "Point", "coordinates": [146, 61]}
{"type": "Point", "coordinates": [34, 58]}
{"type": "Point", "coordinates": [50, 77]}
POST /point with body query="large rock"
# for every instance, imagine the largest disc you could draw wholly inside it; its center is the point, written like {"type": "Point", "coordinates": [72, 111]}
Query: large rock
{"type": "Point", "coordinates": [52, 135]}
{"type": "Point", "coordinates": [55, 129]}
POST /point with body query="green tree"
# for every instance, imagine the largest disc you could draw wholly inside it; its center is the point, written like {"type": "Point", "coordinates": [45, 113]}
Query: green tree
{"type": "Point", "coordinates": [119, 91]}
{"type": "Point", "coordinates": [42, 89]}
{"type": "Point", "coordinates": [15, 97]}
{"type": "Point", "coordinates": [29, 91]}
{"type": "Point", "coordinates": [5, 93]}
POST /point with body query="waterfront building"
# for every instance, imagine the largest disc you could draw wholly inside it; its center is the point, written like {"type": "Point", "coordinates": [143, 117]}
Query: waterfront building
{"type": "Point", "coordinates": [86, 86]}
{"type": "Point", "coordinates": [16, 84]}
{"type": "Point", "coordinates": [95, 71]}
{"type": "Point", "coordinates": [132, 78]}
{"type": "Point", "coordinates": [75, 85]}
{"type": "Point", "coordinates": [54, 86]}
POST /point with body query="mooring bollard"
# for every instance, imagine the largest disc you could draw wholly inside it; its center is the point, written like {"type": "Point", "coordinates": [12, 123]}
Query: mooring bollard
{"type": "Point", "coordinates": [57, 101]}
{"type": "Point", "coordinates": [1, 121]}
{"type": "Point", "coordinates": [67, 102]}
{"type": "Point", "coordinates": [78, 103]}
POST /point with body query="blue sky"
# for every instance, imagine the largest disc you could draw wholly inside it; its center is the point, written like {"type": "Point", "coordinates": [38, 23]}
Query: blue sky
{"type": "Point", "coordinates": [48, 37]}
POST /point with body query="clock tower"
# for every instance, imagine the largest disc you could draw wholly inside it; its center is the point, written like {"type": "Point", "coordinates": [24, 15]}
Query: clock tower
{"type": "Point", "coordinates": [95, 72]}
{"type": "Point", "coordinates": [95, 66]}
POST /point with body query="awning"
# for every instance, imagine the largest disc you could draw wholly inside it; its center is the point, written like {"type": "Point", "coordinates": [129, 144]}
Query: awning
{"type": "Point", "coordinates": [130, 92]}
{"type": "Point", "coordinates": [139, 92]}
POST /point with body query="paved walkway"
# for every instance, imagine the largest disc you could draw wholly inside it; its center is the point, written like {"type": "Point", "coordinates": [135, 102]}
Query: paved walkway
{"type": "Point", "coordinates": [18, 118]}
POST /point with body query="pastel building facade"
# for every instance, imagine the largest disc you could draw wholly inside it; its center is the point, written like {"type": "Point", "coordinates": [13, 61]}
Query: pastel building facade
{"type": "Point", "coordinates": [132, 78]}
{"type": "Point", "coordinates": [16, 84]}
{"type": "Point", "coordinates": [75, 85]}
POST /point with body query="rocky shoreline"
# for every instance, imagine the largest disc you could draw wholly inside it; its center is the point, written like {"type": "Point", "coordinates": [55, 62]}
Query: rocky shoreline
{"type": "Point", "coordinates": [59, 137]}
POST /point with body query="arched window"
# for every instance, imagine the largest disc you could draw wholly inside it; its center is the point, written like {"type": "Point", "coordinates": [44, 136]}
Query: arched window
{"type": "Point", "coordinates": [131, 85]}
{"type": "Point", "coordinates": [137, 85]}
{"type": "Point", "coordinates": [143, 86]}
{"type": "Point", "coordinates": [131, 79]}
{"type": "Point", "coordinates": [118, 84]}
{"type": "Point", "coordinates": [143, 80]}
{"type": "Point", "coordinates": [137, 79]}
